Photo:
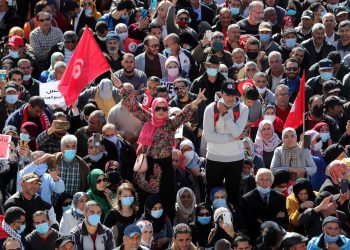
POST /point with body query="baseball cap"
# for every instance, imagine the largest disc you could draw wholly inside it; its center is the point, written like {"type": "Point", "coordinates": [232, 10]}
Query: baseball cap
{"type": "Point", "coordinates": [308, 14]}
{"type": "Point", "coordinates": [112, 36]}
{"type": "Point", "coordinates": [229, 87]}
{"type": "Point", "coordinates": [330, 86]}
{"type": "Point", "coordinates": [30, 177]}
{"type": "Point", "coordinates": [265, 26]}
{"type": "Point", "coordinates": [331, 101]}
{"type": "Point", "coordinates": [16, 41]}
{"type": "Point", "coordinates": [9, 128]}
{"type": "Point", "coordinates": [340, 10]}
{"type": "Point", "coordinates": [11, 86]}
{"type": "Point", "coordinates": [182, 11]}
{"type": "Point", "coordinates": [288, 31]}
{"type": "Point", "coordinates": [132, 230]}
{"type": "Point", "coordinates": [291, 238]}
{"type": "Point", "coordinates": [61, 241]}
{"type": "Point", "coordinates": [325, 64]}
{"type": "Point", "coordinates": [212, 59]}
{"type": "Point", "coordinates": [329, 219]}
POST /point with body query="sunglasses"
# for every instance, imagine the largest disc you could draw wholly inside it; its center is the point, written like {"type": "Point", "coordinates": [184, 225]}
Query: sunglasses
{"type": "Point", "coordinates": [164, 109]}
{"type": "Point", "coordinates": [292, 69]}
{"type": "Point", "coordinates": [179, 88]}
{"type": "Point", "coordinates": [44, 20]}
{"type": "Point", "coordinates": [218, 38]}
{"type": "Point", "coordinates": [72, 41]}
{"type": "Point", "coordinates": [184, 19]}
{"type": "Point", "coordinates": [204, 214]}
{"type": "Point", "coordinates": [87, 4]}
{"type": "Point", "coordinates": [66, 203]}
{"type": "Point", "coordinates": [101, 180]}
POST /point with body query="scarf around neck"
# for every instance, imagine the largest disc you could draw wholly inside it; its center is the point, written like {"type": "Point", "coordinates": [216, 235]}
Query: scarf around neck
{"type": "Point", "coordinates": [44, 119]}
{"type": "Point", "coordinates": [267, 145]}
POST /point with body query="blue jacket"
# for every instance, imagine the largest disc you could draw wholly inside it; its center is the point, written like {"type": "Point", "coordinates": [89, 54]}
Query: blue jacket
{"type": "Point", "coordinates": [317, 243]}
{"type": "Point", "coordinates": [111, 22]}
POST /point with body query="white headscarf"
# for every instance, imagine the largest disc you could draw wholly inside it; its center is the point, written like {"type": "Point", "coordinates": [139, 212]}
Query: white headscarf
{"type": "Point", "coordinates": [105, 89]}
{"type": "Point", "coordinates": [185, 212]}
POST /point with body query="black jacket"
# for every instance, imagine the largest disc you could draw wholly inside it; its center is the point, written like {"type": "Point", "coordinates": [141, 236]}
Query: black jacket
{"type": "Point", "coordinates": [313, 71]}
{"type": "Point", "coordinates": [11, 19]}
{"type": "Point", "coordinates": [85, 20]}
{"type": "Point", "coordinates": [310, 47]}
{"type": "Point", "coordinates": [32, 87]}
{"type": "Point", "coordinates": [3, 111]}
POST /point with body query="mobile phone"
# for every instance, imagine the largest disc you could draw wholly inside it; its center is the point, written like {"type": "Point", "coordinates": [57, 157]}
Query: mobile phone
{"type": "Point", "coordinates": [61, 124]}
{"type": "Point", "coordinates": [344, 185]}
{"type": "Point", "coordinates": [153, 5]}
{"type": "Point", "coordinates": [96, 139]}
{"type": "Point", "coordinates": [307, 141]}
{"type": "Point", "coordinates": [144, 13]}
{"type": "Point", "coordinates": [2, 75]}
{"type": "Point", "coordinates": [209, 34]}
{"type": "Point", "coordinates": [23, 144]}
{"type": "Point", "coordinates": [227, 218]}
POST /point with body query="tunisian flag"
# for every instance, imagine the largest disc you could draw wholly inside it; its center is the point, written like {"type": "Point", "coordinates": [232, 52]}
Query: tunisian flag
{"type": "Point", "coordinates": [296, 114]}
{"type": "Point", "coordinates": [86, 63]}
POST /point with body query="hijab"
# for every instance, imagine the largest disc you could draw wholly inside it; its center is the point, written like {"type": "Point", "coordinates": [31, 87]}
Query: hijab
{"type": "Point", "coordinates": [334, 169]}
{"type": "Point", "coordinates": [75, 200]}
{"type": "Point", "coordinates": [158, 224]}
{"type": "Point", "coordinates": [185, 212]}
{"type": "Point", "coordinates": [301, 184]}
{"type": "Point", "coordinates": [143, 225]}
{"type": "Point", "coordinates": [314, 134]}
{"type": "Point", "coordinates": [262, 144]}
{"type": "Point", "coordinates": [195, 162]}
{"type": "Point", "coordinates": [172, 59]}
{"type": "Point", "coordinates": [105, 89]}
{"type": "Point", "coordinates": [149, 129]}
{"type": "Point", "coordinates": [95, 194]}
{"type": "Point", "coordinates": [201, 206]}
{"type": "Point", "coordinates": [319, 125]}
{"type": "Point", "coordinates": [290, 156]}
{"type": "Point", "coordinates": [33, 131]}
{"type": "Point", "coordinates": [54, 59]}
{"type": "Point", "coordinates": [251, 146]}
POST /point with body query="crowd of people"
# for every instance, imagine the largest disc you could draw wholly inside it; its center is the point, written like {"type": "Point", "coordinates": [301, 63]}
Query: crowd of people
{"type": "Point", "coordinates": [185, 143]}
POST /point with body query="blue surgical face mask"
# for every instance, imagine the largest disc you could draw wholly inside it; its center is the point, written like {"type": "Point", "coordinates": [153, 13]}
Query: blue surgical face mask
{"type": "Point", "coordinates": [21, 230]}
{"type": "Point", "coordinates": [168, 51]}
{"type": "Point", "coordinates": [157, 213]}
{"type": "Point", "coordinates": [263, 190]}
{"type": "Point", "coordinates": [212, 71]}
{"type": "Point", "coordinates": [66, 208]}
{"type": "Point", "coordinates": [94, 219]}
{"type": "Point", "coordinates": [332, 6]}
{"type": "Point", "coordinates": [11, 99]}
{"type": "Point", "coordinates": [96, 157]}
{"type": "Point", "coordinates": [326, 76]}
{"type": "Point", "coordinates": [291, 12]}
{"type": "Point", "coordinates": [69, 154]}
{"type": "Point", "coordinates": [13, 54]}
{"type": "Point", "coordinates": [219, 203]}
{"type": "Point", "coordinates": [41, 169]}
{"type": "Point", "coordinates": [265, 37]}
{"type": "Point", "coordinates": [204, 220]}
{"type": "Point", "coordinates": [79, 211]}
{"type": "Point", "coordinates": [127, 201]}
{"type": "Point", "coordinates": [323, 12]}
{"type": "Point", "coordinates": [234, 11]}
{"type": "Point", "coordinates": [113, 139]}
{"type": "Point", "coordinates": [325, 136]}
{"type": "Point", "coordinates": [42, 228]}
{"type": "Point", "coordinates": [291, 42]}
{"type": "Point", "coordinates": [24, 137]}
{"type": "Point", "coordinates": [217, 45]}
{"type": "Point", "coordinates": [331, 239]}
{"type": "Point", "coordinates": [88, 12]}
{"type": "Point", "coordinates": [27, 77]}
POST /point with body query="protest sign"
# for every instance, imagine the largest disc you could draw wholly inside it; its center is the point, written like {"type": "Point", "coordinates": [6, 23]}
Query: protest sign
{"type": "Point", "coordinates": [179, 132]}
{"type": "Point", "coordinates": [170, 88]}
{"type": "Point", "coordinates": [4, 146]}
{"type": "Point", "coordinates": [50, 93]}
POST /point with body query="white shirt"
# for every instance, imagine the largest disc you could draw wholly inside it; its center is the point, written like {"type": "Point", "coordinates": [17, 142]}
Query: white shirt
{"type": "Point", "coordinates": [331, 40]}
{"type": "Point", "coordinates": [76, 20]}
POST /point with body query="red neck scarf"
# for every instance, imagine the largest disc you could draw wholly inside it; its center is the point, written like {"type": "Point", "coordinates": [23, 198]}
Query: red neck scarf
{"type": "Point", "coordinates": [44, 119]}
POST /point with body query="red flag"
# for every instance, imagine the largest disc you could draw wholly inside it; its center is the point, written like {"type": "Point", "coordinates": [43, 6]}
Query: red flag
{"type": "Point", "coordinates": [242, 85]}
{"type": "Point", "coordinates": [296, 114]}
{"type": "Point", "coordinates": [130, 45]}
{"type": "Point", "coordinates": [86, 63]}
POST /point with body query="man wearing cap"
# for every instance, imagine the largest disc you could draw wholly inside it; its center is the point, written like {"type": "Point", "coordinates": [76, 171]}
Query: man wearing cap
{"type": "Point", "coordinates": [67, 47]}
{"type": "Point", "coordinates": [329, 22]}
{"type": "Point", "coordinates": [330, 88]}
{"type": "Point", "coordinates": [91, 233]}
{"type": "Point", "coordinates": [334, 108]}
{"type": "Point", "coordinates": [317, 47]}
{"type": "Point", "coordinates": [115, 55]}
{"type": "Point", "coordinates": [343, 43]}
{"type": "Point", "coordinates": [266, 42]}
{"type": "Point", "coordinates": [151, 61]}
{"type": "Point", "coordinates": [331, 237]}
{"type": "Point", "coordinates": [325, 70]}
{"type": "Point", "coordinates": [131, 239]}
{"type": "Point", "coordinates": [64, 243]}
{"type": "Point", "coordinates": [211, 80]}
{"type": "Point", "coordinates": [223, 126]}
{"type": "Point", "coordinates": [9, 103]}
{"type": "Point", "coordinates": [307, 20]}
{"type": "Point", "coordinates": [181, 23]}
{"type": "Point", "coordinates": [341, 14]}
{"type": "Point", "coordinates": [294, 241]}
{"type": "Point", "coordinates": [288, 42]}
{"type": "Point", "coordinates": [28, 199]}
{"type": "Point", "coordinates": [43, 38]}
{"type": "Point", "coordinates": [250, 25]}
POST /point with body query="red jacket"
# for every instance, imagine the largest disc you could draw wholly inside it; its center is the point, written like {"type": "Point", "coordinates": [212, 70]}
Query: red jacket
{"type": "Point", "coordinates": [3, 234]}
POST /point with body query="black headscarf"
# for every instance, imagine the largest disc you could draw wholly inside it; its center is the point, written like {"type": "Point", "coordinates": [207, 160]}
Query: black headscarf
{"type": "Point", "coordinates": [303, 183]}
{"type": "Point", "coordinates": [158, 224]}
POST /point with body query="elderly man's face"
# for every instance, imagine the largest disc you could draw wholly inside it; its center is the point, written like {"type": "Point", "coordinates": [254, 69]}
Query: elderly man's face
{"type": "Point", "coordinates": [264, 180]}
{"type": "Point", "coordinates": [95, 125]}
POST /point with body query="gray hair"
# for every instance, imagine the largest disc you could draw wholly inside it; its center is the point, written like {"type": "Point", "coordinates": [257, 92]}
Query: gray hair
{"type": "Point", "coordinates": [268, 10]}
{"type": "Point", "coordinates": [255, 4]}
{"type": "Point", "coordinates": [250, 63]}
{"type": "Point", "coordinates": [328, 15]}
{"type": "Point", "coordinates": [119, 26]}
{"type": "Point", "coordinates": [232, 26]}
{"type": "Point", "coordinates": [264, 171]}
{"type": "Point", "coordinates": [318, 26]}
{"type": "Point", "coordinates": [276, 54]}
{"type": "Point", "coordinates": [237, 50]}
{"type": "Point", "coordinates": [59, 64]}
{"type": "Point", "coordinates": [280, 87]}
{"type": "Point", "coordinates": [224, 10]}
{"type": "Point", "coordinates": [68, 139]}
{"type": "Point", "coordinates": [100, 115]}
{"type": "Point", "coordinates": [259, 74]}
{"type": "Point", "coordinates": [23, 60]}
{"type": "Point", "coordinates": [90, 204]}
{"type": "Point", "coordinates": [41, 212]}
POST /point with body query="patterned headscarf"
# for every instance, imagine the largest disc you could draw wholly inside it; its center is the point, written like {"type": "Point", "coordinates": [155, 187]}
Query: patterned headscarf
{"type": "Point", "coordinates": [75, 200]}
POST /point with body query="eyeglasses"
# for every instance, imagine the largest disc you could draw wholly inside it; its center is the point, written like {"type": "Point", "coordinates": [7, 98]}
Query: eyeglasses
{"type": "Point", "coordinates": [72, 41]}
{"type": "Point", "coordinates": [204, 214]}
{"type": "Point", "coordinates": [218, 38]}
{"type": "Point", "coordinates": [261, 13]}
{"type": "Point", "coordinates": [153, 46]}
{"type": "Point", "coordinates": [179, 88]}
{"type": "Point", "coordinates": [292, 69]}
{"type": "Point", "coordinates": [44, 20]}
{"type": "Point", "coordinates": [164, 109]}
{"type": "Point", "coordinates": [87, 4]}
{"type": "Point", "coordinates": [66, 203]}
{"type": "Point", "coordinates": [184, 19]}
{"type": "Point", "coordinates": [101, 180]}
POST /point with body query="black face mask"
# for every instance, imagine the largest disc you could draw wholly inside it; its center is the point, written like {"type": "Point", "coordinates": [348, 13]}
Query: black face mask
{"type": "Point", "coordinates": [317, 111]}
{"type": "Point", "coordinates": [114, 177]}
{"type": "Point", "coordinates": [252, 55]}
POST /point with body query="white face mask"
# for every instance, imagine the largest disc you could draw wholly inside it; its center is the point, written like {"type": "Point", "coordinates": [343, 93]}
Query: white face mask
{"type": "Point", "coordinates": [123, 35]}
{"type": "Point", "coordinates": [225, 75]}
{"type": "Point", "coordinates": [26, 77]}
{"type": "Point", "coordinates": [271, 118]}
{"type": "Point", "coordinates": [318, 146]}
{"type": "Point", "coordinates": [173, 72]}
{"type": "Point", "coordinates": [238, 65]}
{"type": "Point", "coordinates": [261, 90]}
{"type": "Point", "coordinates": [101, 38]}
{"type": "Point", "coordinates": [189, 155]}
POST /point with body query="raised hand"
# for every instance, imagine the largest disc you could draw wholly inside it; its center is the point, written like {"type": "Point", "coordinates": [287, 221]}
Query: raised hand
{"type": "Point", "coordinates": [200, 97]}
